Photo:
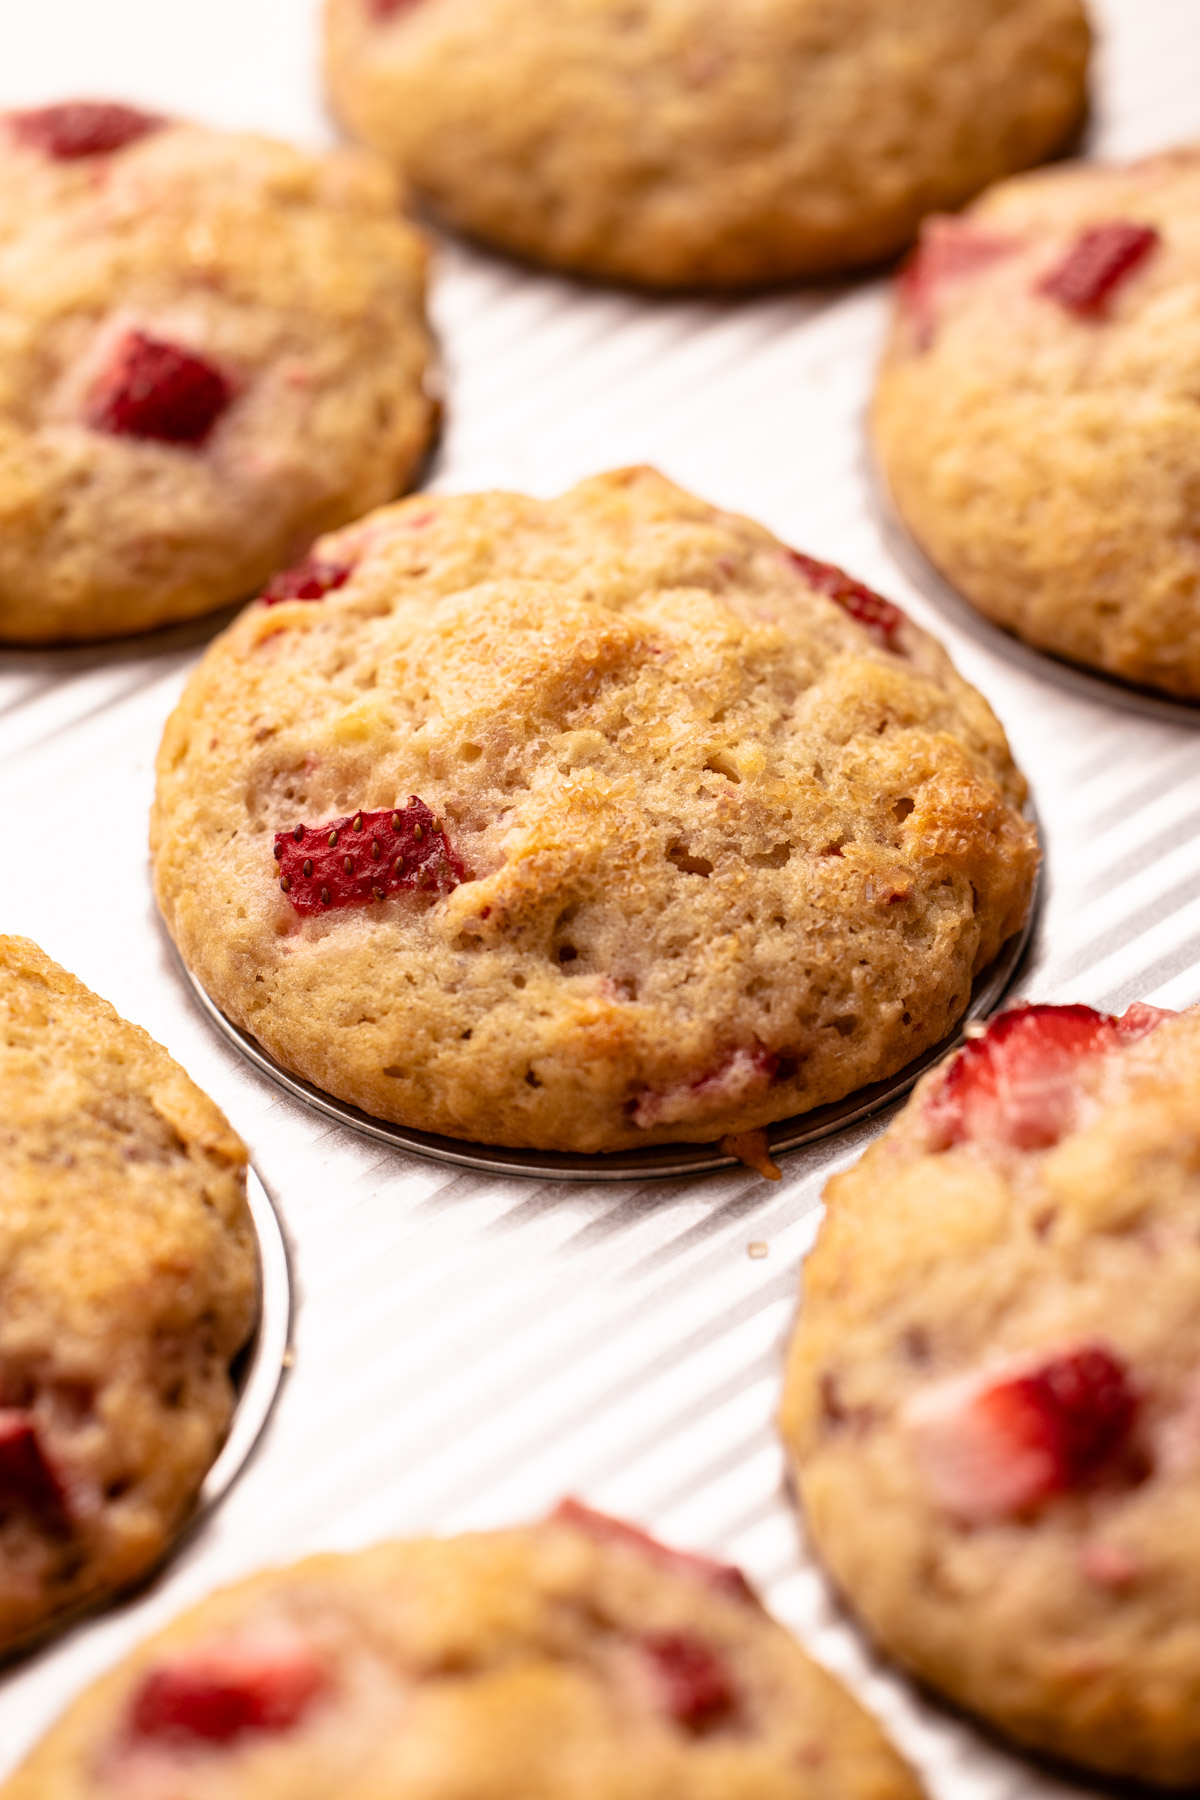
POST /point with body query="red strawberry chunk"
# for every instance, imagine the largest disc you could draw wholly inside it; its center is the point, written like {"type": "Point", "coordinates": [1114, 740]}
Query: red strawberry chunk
{"type": "Point", "coordinates": [878, 616]}
{"type": "Point", "coordinates": [81, 128]}
{"type": "Point", "coordinates": [1017, 1083]}
{"type": "Point", "coordinates": [28, 1483]}
{"type": "Point", "coordinates": [1139, 1020]}
{"type": "Point", "coordinates": [310, 580]}
{"type": "Point", "coordinates": [949, 251]}
{"type": "Point", "coordinates": [997, 1448]}
{"type": "Point", "coordinates": [218, 1695]}
{"type": "Point", "coordinates": [387, 9]}
{"type": "Point", "coordinates": [739, 1074]}
{"type": "Point", "coordinates": [366, 856]}
{"type": "Point", "coordinates": [694, 1687]}
{"type": "Point", "coordinates": [723, 1576]}
{"type": "Point", "coordinates": [155, 390]}
{"type": "Point", "coordinates": [1097, 264]}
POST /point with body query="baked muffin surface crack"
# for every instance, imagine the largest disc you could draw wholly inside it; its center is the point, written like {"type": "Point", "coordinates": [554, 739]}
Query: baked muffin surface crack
{"type": "Point", "coordinates": [711, 853]}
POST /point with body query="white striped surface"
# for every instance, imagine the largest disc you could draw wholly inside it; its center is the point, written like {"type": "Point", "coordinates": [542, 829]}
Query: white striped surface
{"type": "Point", "coordinates": [469, 1349]}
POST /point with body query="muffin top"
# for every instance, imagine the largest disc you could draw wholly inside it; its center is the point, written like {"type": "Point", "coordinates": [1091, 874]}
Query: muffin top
{"type": "Point", "coordinates": [585, 823]}
{"type": "Point", "coordinates": [993, 1398]}
{"type": "Point", "coordinates": [573, 1660]}
{"type": "Point", "coordinates": [212, 348]}
{"type": "Point", "coordinates": [1035, 412]}
{"type": "Point", "coordinates": [128, 1283]}
{"type": "Point", "coordinates": [686, 142]}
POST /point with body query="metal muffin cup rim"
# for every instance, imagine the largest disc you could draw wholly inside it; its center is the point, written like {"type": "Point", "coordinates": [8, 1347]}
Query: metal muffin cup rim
{"type": "Point", "coordinates": [263, 1360]}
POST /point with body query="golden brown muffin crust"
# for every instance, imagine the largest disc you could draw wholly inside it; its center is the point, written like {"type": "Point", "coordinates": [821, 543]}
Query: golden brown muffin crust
{"type": "Point", "coordinates": [1073, 1622]}
{"type": "Point", "coordinates": [290, 275]}
{"type": "Point", "coordinates": [521, 1665]}
{"type": "Point", "coordinates": [729, 858]}
{"type": "Point", "coordinates": [1045, 457]}
{"type": "Point", "coordinates": [127, 1285]}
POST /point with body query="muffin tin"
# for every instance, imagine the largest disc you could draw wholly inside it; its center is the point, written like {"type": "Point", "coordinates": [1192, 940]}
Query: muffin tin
{"type": "Point", "coordinates": [469, 1346]}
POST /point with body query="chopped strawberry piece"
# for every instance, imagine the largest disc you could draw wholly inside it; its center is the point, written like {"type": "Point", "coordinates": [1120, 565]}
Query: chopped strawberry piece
{"type": "Point", "coordinates": [1111, 1566]}
{"type": "Point", "coordinates": [387, 9]}
{"type": "Point", "coordinates": [28, 1483]}
{"type": "Point", "coordinates": [1096, 265]}
{"type": "Point", "coordinates": [1139, 1020]}
{"type": "Point", "coordinates": [81, 128]}
{"type": "Point", "coordinates": [1016, 1084]}
{"type": "Point", "coordinates": [366, 857]}
{"type": "Point", "coordinates": [997, 1448]}
{"type": "Point", "coordinates": [1084, 1407]}
{"type": "Point", "coordinates": [310, 580]}
{"type": "Point", "coordinates": [878, 616]}
{"type": "Point", "coordinates": [724, 1577]}
{"type": "Point", "coordinates": [694, 1686]}
{"type": "Point", "coordinates": [229, 1691]}
{"type": "Point", "coordinates": [739, 1074]}
{"type": "Point", "coordinates": [155, 390]}
{"type": "Point", "coordinates": [949, 251]}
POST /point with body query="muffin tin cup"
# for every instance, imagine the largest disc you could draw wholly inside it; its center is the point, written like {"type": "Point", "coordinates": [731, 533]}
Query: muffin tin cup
{"type": "Point", "coordinates": [657, 1161]}
{"type": "Point", "coordinates": [260, 1366]}
{"type": "Point", "coordinates": [1088, 684]}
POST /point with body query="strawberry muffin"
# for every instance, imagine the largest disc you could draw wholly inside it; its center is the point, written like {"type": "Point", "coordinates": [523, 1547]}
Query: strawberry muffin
{"type": "Point", "coordinates": [993, 1399]}
{"type": "Point", "coordinates": [573, 1660]}
{"type": "Point", "coordinates": [128, 1283]}
{"type": "Point", "coordinates": [691, 143]}
{"type": "Point", "coordinates": [1036, 412]}
{"type": "Point", "coordinates": [585, 824]}
{"type": "Point", "coordinates": [212, 347]}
